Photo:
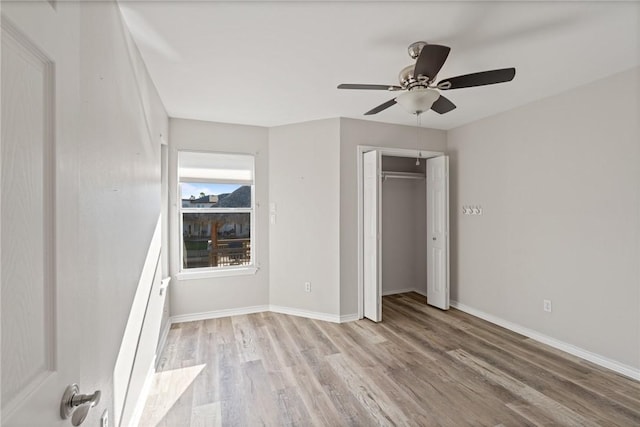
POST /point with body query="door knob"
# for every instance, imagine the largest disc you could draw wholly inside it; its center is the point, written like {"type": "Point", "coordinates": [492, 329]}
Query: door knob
{"type": "Point", "coordinates": [433, 238]}
{"type": "Point", "coordinates": [77, 404]}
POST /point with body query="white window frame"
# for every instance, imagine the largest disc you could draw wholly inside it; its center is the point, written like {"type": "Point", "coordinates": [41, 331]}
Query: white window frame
{"type": "Point", "coordinates": [205, 272]}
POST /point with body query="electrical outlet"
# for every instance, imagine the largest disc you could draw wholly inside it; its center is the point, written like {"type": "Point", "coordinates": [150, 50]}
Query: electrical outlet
{"type": "Point", "coordinates": [307, 286]}
{"type": "Point", "coordinates": [104, 419]}
{"type": "Point", "coordinates": [546, 305]}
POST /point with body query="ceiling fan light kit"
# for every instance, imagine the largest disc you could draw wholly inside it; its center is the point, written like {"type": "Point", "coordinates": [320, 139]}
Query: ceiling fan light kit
{"type": "Point", "coordinates": [417, 101]}
{"type": "Point", "coordinates": [417, 81]}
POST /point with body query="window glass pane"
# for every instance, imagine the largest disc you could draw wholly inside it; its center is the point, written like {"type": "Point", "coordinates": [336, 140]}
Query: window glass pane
{"type": "Point", "coordinates": [210, 195]}
{"type": "Point", "coordinates": [216, 239]}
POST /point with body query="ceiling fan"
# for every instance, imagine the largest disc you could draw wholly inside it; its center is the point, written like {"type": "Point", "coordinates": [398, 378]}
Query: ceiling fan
{"type": "Point", "coordinates": [417, 81]}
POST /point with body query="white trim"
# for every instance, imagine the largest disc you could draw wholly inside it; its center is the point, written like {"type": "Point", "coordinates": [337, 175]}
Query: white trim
{"type": "Point", "coordinates": [256, 309]}
{"type": "Point", "coordinates": [403, 291]}
{"type": "Point", "coordinates": [360, 225]}
{"type": "Point", "coordinates": [162, 342]}
{"type": "Point", "coordinates": [603, 361]}
{"type": "Point", "coordinates": [305, 313]}
{"type": "Point", "coordinates": [349, 318]}
{"type": "Point", "coordinates": [219, 313]}
{"type": "Point", "coordinates": [216, 272]}
{"type": "Point", "coordinates": [144, 394]}
{"type": "Point", "coordinates": [385, 151]}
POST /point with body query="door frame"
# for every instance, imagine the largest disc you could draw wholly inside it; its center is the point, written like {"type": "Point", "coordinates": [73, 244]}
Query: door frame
{"type": "Point", "coordinates": [384, 151]}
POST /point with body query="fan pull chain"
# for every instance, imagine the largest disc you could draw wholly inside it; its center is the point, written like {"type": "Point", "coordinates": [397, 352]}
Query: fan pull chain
{"type": "Point", "coordinates": [418, 138]}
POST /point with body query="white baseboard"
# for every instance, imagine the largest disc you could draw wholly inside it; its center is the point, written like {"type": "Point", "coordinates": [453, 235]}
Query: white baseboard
{"type": "Point", "coordinates": [349, 318]}
{"type": "Point", "coordinates": [276, 309]}
{"type": "Point", "coordinates": [304, 313]}
{"type": "Point", "coordinates": [219, 313]}
{"type": "Point", "coordinates": [254, 309]}
{"type": "Point", "coordinates": [603, 361]}
{"type": "Point", "coordinates": [403, 291]}
{"type": "Point", "coordinates": [144, 394]}
{"type": "Point", "coordinates": [164, 334]}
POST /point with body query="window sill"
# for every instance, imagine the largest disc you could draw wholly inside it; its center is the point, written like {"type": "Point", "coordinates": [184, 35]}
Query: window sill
{"type": "Point", "coordinates": [207, 274]}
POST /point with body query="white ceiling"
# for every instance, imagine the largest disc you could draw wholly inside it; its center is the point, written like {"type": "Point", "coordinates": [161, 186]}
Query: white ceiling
{"type": "Point", "coordinates": [273, 63]}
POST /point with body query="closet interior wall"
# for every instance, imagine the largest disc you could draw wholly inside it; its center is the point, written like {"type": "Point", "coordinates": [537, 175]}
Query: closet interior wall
{"type": "Point", "coordinates": [404, 244]}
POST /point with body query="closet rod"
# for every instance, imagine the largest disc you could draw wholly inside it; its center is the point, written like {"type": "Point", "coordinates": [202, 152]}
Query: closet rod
{"type": "Point", "coordinates": [403, 175]}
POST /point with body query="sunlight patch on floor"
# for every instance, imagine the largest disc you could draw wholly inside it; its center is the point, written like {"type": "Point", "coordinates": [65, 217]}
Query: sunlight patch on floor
{"type": "Point", "coordinates": [167, 388]}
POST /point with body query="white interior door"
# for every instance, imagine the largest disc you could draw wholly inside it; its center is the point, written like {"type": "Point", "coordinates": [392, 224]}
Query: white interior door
{"type": "Point", "coordinates": [438, 232]}
{"type": "Point", "coordinates": [39, 311]}
{"type": "Point", "coordinates": [372, 274]}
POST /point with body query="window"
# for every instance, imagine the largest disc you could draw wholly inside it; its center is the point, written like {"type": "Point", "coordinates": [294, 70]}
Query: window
{"type": "Point", "coordinates": [216, 210]}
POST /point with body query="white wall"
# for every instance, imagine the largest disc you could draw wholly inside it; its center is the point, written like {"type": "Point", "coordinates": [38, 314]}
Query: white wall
{"type": "Point", "coordinates": [312, 181]}
{"type": "Point", "coordinates": [148, 309]}
{"type": "Point", "coordinates": [558, 181]}
{"type": "Point", "coordinates": [119, 189]}
{"type": "Point", "coordinates": [205, 295]}
{"type": "Point", "coordinates": [304, 183]}
{"type": "Point", "coordinates": [363, 132]}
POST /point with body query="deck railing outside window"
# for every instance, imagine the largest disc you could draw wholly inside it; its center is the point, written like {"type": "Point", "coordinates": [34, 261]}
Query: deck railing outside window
{"type": "Point", "coordinates": [228, 252]}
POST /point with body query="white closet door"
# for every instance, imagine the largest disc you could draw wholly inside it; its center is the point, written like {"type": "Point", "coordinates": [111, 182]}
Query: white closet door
{"type": "Point", "coordinates": [372, 233]}
{"type": "Point", "coordinates": [438, 232]}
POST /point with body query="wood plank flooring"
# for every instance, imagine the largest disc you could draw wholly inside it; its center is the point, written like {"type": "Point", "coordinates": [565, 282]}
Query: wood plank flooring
{"type": "Point", "coordinates": [419, 367]}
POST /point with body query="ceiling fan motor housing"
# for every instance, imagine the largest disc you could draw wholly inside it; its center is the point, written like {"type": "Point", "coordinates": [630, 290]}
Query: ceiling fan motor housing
{"type": "Point", "coordinates": [407, 78]}
{"type": "Point", "coordinates": [409, 81]}
{"type": "Point", "coordinates": [415, 48]}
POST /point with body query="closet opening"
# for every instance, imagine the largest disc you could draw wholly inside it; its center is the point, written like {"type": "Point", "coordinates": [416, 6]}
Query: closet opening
{"type": "Point", "coordinates": [403, 242]}
{"type": "Point", "coordinates": [403, 225]}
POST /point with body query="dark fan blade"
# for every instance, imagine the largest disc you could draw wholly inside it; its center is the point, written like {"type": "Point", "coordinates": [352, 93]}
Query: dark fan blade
{"type": "Point", "coordinates": [368, 87]}
{"type": "Point", "coordinates": [478, 79]}
{"type": "Point", "coordinates": [381, 107]}
{"type": "Point", "coordinates": [430, 61]}
{"type": "Point", "coordinates": [442, 105]}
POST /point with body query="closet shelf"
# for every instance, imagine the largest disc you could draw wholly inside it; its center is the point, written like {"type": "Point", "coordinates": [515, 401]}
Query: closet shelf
{"type": "Point", "coordinates": [403, 175]}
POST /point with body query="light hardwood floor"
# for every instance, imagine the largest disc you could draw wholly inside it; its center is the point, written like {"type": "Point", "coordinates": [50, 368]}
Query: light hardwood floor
{"type": "Point", "coordinates": [420, 366]}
